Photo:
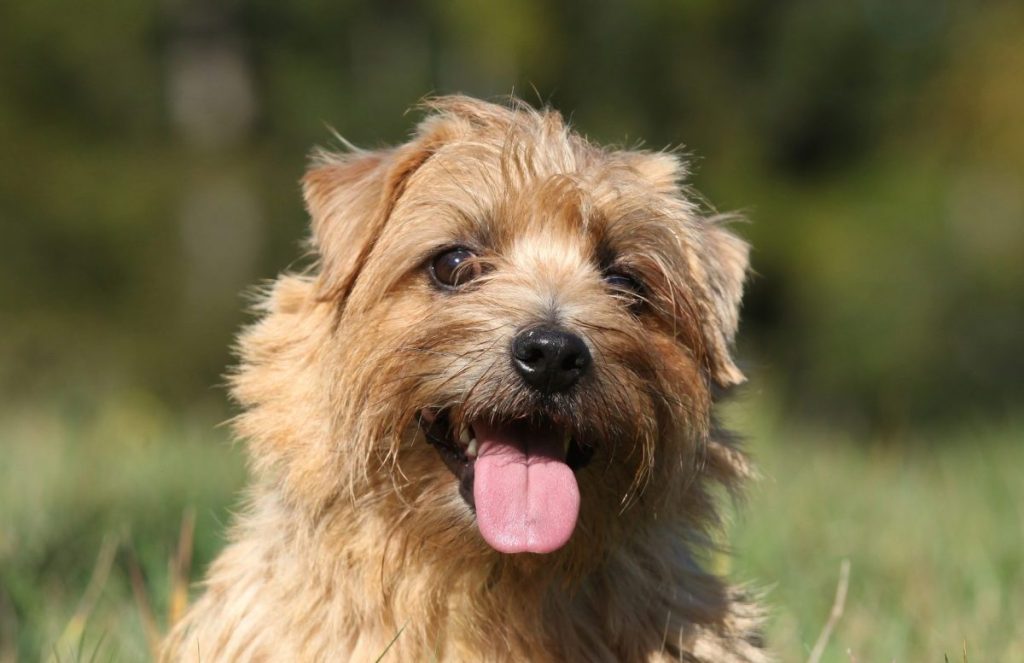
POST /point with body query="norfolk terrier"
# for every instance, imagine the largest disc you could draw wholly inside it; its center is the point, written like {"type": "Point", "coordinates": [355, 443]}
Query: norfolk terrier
{"type": "Point", "coordinates": [480, 427]}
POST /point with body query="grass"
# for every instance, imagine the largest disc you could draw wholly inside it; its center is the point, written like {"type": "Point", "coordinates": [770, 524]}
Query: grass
{"type": "Point", "coordinates": [76, 482]}
{"type": "Point", "coordinates": [933, 529]}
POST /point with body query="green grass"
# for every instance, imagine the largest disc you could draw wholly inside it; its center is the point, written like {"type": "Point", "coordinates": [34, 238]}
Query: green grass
{"type": "Point", "coordinates": [73, 478]}
{"type": "Point", "coordinates": [933, 529]}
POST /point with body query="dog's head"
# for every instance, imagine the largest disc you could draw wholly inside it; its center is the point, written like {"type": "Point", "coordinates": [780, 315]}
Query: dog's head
{"type": "Point", "coordinates": [509, 330]}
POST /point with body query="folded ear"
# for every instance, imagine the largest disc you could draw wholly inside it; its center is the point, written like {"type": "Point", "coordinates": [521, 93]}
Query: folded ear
{"type": "Point", "coordinates": [724, 258]}
{"type": "Point", "coordinates": [718, 263]}
{"type": "Point", "coordinates": [349, 198]}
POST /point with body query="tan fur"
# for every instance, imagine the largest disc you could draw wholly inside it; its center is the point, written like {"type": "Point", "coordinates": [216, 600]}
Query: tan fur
{"type": "Point", "coordinates": [355, 534]}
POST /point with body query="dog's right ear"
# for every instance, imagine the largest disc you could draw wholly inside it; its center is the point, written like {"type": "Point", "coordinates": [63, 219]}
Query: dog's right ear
{"type": "Point", "coordinates": [349, 198]}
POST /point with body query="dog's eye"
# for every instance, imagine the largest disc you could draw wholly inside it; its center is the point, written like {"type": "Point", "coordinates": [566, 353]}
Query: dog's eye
{"type": "Point", "coordinates": [453, 268]}
{"type": "Point", "coordinates": [625, 285]}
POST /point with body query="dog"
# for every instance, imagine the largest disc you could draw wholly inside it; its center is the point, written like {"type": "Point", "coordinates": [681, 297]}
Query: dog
{"type": "Point", "coordinates": [480, 427]}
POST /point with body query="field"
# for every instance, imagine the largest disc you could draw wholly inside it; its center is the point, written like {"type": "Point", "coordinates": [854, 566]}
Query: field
{"type": "Point", "coordinates": [933, 529]}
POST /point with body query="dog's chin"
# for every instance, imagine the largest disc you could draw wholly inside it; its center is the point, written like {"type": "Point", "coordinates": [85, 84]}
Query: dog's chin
{"type": "Point", "coordinates": [517, 475]}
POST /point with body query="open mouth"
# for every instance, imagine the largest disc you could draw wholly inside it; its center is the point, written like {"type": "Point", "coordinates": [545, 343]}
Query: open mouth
{"type": "Point", "coordinates": [519, 477]}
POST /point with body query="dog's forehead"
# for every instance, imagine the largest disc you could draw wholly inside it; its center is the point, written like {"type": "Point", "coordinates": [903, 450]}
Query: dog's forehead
{"type": "Point", "coordinates": [537, 199]}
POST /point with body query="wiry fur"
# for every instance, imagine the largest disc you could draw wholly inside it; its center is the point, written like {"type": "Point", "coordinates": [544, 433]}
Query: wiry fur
{"type": "Point", "coordinates": [355, 534]}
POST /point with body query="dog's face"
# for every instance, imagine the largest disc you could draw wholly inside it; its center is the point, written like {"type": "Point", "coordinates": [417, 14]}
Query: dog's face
{"type": "Point", "coordinates": [525, 331]}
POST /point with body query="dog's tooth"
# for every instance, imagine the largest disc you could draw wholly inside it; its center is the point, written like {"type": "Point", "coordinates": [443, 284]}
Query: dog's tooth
{"type": "Point", "coordinates": [464, 436]}
{"type": "Point", "coordinates": [471, 449]}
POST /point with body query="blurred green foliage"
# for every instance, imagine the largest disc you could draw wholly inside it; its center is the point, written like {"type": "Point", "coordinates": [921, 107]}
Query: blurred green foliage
{"type": "Point", "coordinates": [151, 153]}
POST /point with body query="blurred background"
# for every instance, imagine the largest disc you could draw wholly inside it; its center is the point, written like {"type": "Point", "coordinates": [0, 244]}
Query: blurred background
{"type": "Point", "coordinates": [150, 159]}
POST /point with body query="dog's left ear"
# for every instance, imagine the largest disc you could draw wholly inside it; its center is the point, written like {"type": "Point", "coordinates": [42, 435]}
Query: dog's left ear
{"type": "Point", "coordinates": [349, 198]}
{"type": "Point", "coordinates": [724, 258]}
{"type": "Point", "coordinates": [718, 270]}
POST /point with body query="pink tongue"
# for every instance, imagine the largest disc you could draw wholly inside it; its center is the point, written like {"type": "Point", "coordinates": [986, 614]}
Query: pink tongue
{"type": "Point", "coordinates": [526, 496]}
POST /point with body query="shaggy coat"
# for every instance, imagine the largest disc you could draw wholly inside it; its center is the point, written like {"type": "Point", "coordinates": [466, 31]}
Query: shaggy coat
{"type": "Point", "coordinates": [355, 541]}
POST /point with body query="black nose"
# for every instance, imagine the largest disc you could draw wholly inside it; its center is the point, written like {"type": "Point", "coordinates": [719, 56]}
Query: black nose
{"type": "Point", "coordinates": [550, 360]}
